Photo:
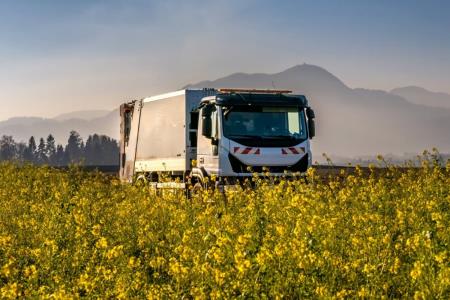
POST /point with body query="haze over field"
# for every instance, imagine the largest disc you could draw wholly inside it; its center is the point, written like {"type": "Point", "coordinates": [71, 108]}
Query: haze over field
{"type": "Point", "coordinates": [382, 86]}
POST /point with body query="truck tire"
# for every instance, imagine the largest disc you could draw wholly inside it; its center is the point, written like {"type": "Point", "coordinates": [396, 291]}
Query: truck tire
{"type": "Point", "coordinates": [198, 187]}
{"type": "Point", "coordinates": [141, 180]}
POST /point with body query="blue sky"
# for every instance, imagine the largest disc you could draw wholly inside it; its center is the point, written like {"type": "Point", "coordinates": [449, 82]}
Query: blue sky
{"type": "Point", "coordinates": [59, 56]}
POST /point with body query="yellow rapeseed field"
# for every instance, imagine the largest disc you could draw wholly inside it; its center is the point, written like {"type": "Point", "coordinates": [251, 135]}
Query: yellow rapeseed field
{"type": "Point", "coordinates": [71, 234]}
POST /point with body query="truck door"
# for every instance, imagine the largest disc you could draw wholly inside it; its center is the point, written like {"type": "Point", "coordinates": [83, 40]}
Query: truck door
{"type": "Point", "coordinates": [208, 140]}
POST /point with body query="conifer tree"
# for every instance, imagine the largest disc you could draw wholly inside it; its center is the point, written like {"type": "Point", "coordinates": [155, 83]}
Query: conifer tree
{"type": "Point", "coordinates": [60, 156]}
{"type": "Point", "coordinates": [41, 152]}
{"type": "Point", "coordinates": [50, 149]}
{"type": "Point", "coordinates": [74, 148]}
{"type": "Point", "coordinates": [30, 151]}
{"type": "Point", "coordinates": [7, 148]}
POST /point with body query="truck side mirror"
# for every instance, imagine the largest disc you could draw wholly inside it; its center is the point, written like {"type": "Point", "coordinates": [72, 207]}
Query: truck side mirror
{"type": "Point", "coordinates": [311, 124]}
{"type": "Point", "coordinates": [310, 113]}
{"type": "Point", "coordinates": [311, 128]}
{"type": "Point", "coordinates": [206, 121]}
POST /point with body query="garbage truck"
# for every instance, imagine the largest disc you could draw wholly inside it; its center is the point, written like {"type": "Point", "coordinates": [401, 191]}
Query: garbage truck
{"type": "Point", "coordinates": [211, 136]}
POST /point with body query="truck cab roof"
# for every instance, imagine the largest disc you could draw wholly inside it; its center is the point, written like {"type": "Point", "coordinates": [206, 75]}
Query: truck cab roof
{"type": "Point", "coordinates": [266, 99]}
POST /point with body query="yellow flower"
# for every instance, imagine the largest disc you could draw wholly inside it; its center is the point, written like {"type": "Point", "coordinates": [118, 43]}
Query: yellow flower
{"type": "Point", "coordinates": [115, 252]}
{"type": "Point", "coordinates": [96, 230]}
{"type": "Point", "coordinates": [8, 268]}
{"type": "Point", "coordinates": [441, 257]}
{"type": "Point", "coordinates": [395, 267]}
{"type": "Point", "coordinates": [419, 295]}
{"type": "Point", "coordinates": [10, 291]}
{"type": "Point", "coordinates": [5, 240]}
{"type": "Point", "coordinates": [102, 243]}
{"type": "Point", "coordinates": [30, 271]}
{"type": "Point", "coordinates": [363, 292]}
{"type": "Point", "coordinates": [416, 271]}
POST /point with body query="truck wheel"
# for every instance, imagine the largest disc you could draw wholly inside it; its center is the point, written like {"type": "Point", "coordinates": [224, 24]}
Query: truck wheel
{"type": "Point", "coordinates": [194, 189]}
{"type": "Point", "coordinates": [141, 180]}
{"type": "Point", "coordinates": [198, 187]}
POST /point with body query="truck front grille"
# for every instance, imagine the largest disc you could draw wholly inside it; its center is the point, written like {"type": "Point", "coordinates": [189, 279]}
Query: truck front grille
{"type": "Point", "coordinates": [240, 167]}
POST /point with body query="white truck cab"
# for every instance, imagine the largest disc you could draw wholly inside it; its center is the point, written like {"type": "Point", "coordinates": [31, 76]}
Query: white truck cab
{"type": "Point", "coordinates": [225, 134]}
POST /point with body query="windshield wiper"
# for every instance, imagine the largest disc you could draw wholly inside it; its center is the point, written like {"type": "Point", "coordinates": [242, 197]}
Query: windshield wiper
{"type": "Point", "coordinates": [278, 136]}
{"type": "Point", "coordinates": [227, 111]}
{"type": "Point", "coordinates": [245, 136]}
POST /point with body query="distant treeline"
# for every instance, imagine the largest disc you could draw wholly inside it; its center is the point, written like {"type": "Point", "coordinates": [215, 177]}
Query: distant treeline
{"type": "Point", "coordinates": [98, 150]}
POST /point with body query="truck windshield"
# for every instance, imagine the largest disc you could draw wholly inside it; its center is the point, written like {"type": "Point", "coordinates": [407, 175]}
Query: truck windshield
{"type": "Point", "coordinates": [259, 122]}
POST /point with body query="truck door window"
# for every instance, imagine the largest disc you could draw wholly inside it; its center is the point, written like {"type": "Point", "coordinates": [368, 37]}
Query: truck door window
{"type": "Point", "coordinates": [193, 129]}
{"type": "Point", "coordinates": [208, 112]}
{"type": "Point", "coordinates": [194, 120]}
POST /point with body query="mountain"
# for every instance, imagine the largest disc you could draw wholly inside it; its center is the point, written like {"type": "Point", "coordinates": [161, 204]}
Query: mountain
{"type": "Point", "coordinates": [20, 121]}
{"type": "Point", "coordinates": [306, 78]}
{"type": "Point", "coordinates": [22, 128]}
{"type": "Point", "coordinates": [82, 115]}
{"type": "Point", "coordinates": [422, 96]}
{"type": "Point", "coordinates": [350, 122]}
{"type": "Point", "coordinates": [353, 122]}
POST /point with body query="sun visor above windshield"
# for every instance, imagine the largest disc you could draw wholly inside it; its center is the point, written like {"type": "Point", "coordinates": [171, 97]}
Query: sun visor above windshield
{"type": "Point", "coordinates": [259, 99]}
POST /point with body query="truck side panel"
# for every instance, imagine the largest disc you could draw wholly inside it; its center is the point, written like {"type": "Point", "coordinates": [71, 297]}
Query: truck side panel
{"type": "Point", "coordinates": [161, 139]}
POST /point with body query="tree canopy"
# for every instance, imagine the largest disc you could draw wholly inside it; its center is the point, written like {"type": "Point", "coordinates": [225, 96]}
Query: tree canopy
{"type": "Point", "coordinates": [98, 150]}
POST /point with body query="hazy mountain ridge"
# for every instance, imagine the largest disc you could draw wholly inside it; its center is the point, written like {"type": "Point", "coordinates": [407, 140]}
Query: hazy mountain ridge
{"type": "Point", "coordinates": [350, 122]}
{"type": "Point", "coordinates": [22, 128]}
{"type": "Point", "coordinates": [419, 95]}
{"type": "Point", "coordinates": [82, 115]}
